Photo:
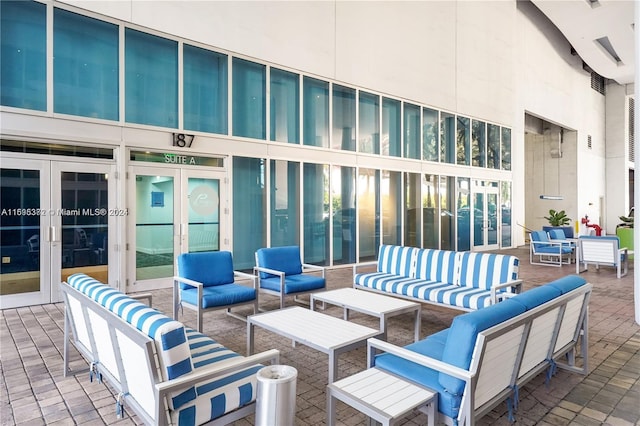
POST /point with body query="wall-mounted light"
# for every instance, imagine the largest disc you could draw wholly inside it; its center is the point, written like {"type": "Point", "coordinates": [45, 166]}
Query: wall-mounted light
{"type": "Point", "coordinates": [551, 197]}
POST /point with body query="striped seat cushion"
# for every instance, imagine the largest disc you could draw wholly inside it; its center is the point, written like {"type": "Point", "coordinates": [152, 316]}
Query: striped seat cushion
{"type": "Point", "coordinates": [485, 270]}
{"type": "Point", "coordinates": [169, 335]}
{"type": "Point", "coordinates": [454, 295]}
{"type": "Point", "coordinates": [221, 395]}
{"type": "Point", "coordinates": [397, 260]}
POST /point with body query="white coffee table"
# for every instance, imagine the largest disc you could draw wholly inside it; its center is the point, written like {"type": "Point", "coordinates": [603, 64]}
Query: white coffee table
{"type": "Point", "coordinates": [381, 396]}
{"type": "Point", "coordinates": [374, 304]}
{"type": "Point", "coordinates": [325, 333]}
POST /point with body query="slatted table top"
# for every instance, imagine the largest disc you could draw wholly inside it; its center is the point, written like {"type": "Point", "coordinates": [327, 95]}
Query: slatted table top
{"type": "Point", "coordinates": [365, 301]}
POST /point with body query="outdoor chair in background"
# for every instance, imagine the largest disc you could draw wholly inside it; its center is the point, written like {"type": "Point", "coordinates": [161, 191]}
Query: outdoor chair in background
{"type": "Point", "coordinates": [559, 235]}
{"type": "Point", "coordinates": [206, 282]}
{"type": "Point", "coordinates": [549, 252]}
{"type": "Point", "coordinates": [281, 273]}
{"type": "Point", "coordinates": [602, 250]}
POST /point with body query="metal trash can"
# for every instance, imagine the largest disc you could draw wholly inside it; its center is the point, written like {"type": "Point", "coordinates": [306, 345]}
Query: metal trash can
{"type": "Point", "coordinates": [276, 396]}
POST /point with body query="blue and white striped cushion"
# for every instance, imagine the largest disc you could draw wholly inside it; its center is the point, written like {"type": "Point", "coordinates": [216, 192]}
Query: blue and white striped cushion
{"type": "Point", "coordinates": [463, 297]}
{"type": "Point", "coordinates": [484, 270]}
{"type": "Point", "coordinates": [222, 395]}
{"type": "Point", "coordinates": [169, 335]}
{"type": "Point", "coordinates": [436, 265]}
{"type": "Point", "coordinates": [397, 260]}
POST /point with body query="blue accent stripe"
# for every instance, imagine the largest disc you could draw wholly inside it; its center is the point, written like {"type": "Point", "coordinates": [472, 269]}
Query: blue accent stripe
{"type": "Point", "coordinates": [173, 338]}
{"type": "Point", "coordinates": [229, 379]}
{"type": "Point", "coordinates": [187, 417]}
{"type": "Point", "coordinates": [178, 369]}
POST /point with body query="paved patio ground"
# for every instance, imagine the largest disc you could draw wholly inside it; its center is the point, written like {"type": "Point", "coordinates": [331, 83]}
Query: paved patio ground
{"type": "Point", "coordinates": [33, 390]}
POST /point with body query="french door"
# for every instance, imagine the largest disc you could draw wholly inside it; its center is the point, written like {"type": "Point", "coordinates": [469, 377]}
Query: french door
{"type": "Point", "coordinates": [174, 211]}
{"type": "Point", "coordinates": [486, 218]}
{"type": "Point", "coordinates": [56, 218]}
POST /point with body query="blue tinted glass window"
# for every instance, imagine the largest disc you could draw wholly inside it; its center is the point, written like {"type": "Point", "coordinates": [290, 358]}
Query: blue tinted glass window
{"type": "Point", "coordinates": [463, 214]}
{"type": "Point", "coordinates": [85, 72]}
{"type": "Point", "coordinates": [23, 41]}
{"type": "Point", "coordinates": [369, 123]}
{"type": "Point", "coordinates": [285, 203]}
{"type": "Point", "coordinates": [391, 128]}
{"type": "Point", "coordinates": [205, 90]}
{"type": "Point", "coordinates": [447, 138]}
{"type": "Point", "coordinates": [478, 143]}
{"type": "Point", "coordinates": [315, 219]}
{"type": "Point", "coordinates": [285, 106]}
{"type": "Point", "coordinates": [249, 99]}
{"type": "Point", "coordinates": [411, 131]}
{"type": "Point", "coordinates": [463, 141]}
{"type": "Point", "coordinates": [344, 118]}
{"type": "Point", "coordinates": [392, 207]}
{"type": "Point", "coordinates": [151, 79]}
{"type": "Point", "coordinates": [429, 134]}
{"type": "Point", "coordinates": [249, 210]}
{"type": "Point", "coordinates": [343, 200]}
{"type": "Point", "coordinates": [493, 146]}
{"type": "Point", "coordinates": [316, 112]}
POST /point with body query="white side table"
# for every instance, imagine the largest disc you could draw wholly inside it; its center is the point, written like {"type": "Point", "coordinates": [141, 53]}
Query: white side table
{"type": "Point", "coordinates": [381, 396]}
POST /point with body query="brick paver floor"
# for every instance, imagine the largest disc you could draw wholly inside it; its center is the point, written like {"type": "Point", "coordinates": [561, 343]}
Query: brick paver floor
{"type": "Point", "coordinates": [33, 390]}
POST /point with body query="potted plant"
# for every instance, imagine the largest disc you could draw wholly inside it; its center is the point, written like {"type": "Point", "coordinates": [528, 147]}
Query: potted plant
{"type": "Point", "coordinates": [624, 231]}
{"type": "Point", "coordinates": [559, 219]}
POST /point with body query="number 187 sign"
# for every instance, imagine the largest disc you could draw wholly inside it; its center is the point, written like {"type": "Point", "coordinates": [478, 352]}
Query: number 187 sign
{"type": "Point", "coordinates": [182, 140]}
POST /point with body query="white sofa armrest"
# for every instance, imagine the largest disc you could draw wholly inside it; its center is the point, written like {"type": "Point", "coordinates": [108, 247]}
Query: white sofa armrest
{"type": "Point", "coordinates": [516, 284]}
{"type": "Point", "coordinates": [314, 268]}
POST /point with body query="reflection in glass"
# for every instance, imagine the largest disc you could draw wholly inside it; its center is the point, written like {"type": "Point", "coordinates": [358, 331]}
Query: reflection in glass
{"type": "Point", "coordinates": [463, 141]}
{"type": "Point", "coordinates": [315, 210]}
{"type": "Point", "coordinates": [204, 215]}
{"type": "Point", "coordinates": [391, 128]}
{"type": "Point", "coordinates": [447, 197]}
{"type": "Point", "coordinates": [154, 227]}
{"type": "Point", "coordinates": [505, 197]}
{"type": "Point", "coordinates": [429, 134]}
{"type": "Point", "coordinates": [492, 218]}
{"type": "Point", "coordinates": [369, 123]}
{"type": "Point", "coordinates": [249, 210]}
{"type": "Point", "coordinates": [493, 146]}
{"type": "Point", "coordinates": [368, 214]}
{"type": "Point", "coordinates": [411, 131]}
{"type": "Point", "coordinates": [463, 215]}
{"type": "Point", "coordinates": [285, 106]}
{"type": "Point", "coordinates": [478, 219]}
{"type": "Point", "coordinates": [430, 211]}
{"type": "Point", "coordinates": [448, 138]}
{"type": "Point", "coordinates": [412, 202]}
{"type": "Point", "coordinates": [19, 234]}
{"type": "Point", "coordinates": [344, 118]}
{"type": "Point", "coordinates": [343, 199]}
{"type": "Point", "coordinates": [285, 203]}
{"type": "Point", "coordinates": [391, 193]}
{"type": "Point", "coordinates": [478, 143]}
{"type": "Point", "coordinates": [506, 148]}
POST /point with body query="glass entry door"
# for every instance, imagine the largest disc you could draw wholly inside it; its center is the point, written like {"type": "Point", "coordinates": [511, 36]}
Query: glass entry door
{"type": "Point", "coordinates": [176, 211]}
{"type": "Point", "coordinates": [54, 221]}
{"type": "Point", "coordinates": [485, 218]}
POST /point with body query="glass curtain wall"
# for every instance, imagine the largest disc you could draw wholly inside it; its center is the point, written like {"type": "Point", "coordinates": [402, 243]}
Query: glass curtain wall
{"type": "Point", "coordinates": [493, 146]}
{"type": "Point", "coordinates": [463, 212]}
{"type": "Point", "coordinates": [391, 128]}
{"type": "Point", "coordinates": [430, 211]}
{"type": "Point", "coordinates": [205, 98]}
{"type": "Point", "coordinates": [343, 199]}
{"type": "Point", "coordinates": [391, 193]}
{"type": "Point", "coordinates": [315, 213]}
{"type": "Point", "coordinates": [369, 123]}
{"type": "Point", "coordinates": [344, 118]}
{"type": "Point", "coordinates": [478, 143]}
{"type": "Point", "coordinates": [368, 214]}
{"type": "Point", "coordinates": [151, 79]}
{"type": "Point", "coordinates": [413, 214]}
{"type": "Point", "coordinates": [249, 210]}
{"type": "Point", "coordinates": [285, 106]}
{"type": "Point", "coordinates": [249, 99]}
{"type": "Point", "coordinates": [285, 203]}
{"type": "Point", "coordinates": [429, 134]}
{"type": "Point", "coordinates": [315, 105]}
{"type": "Point", "coordinates": [463, 141]}
{"type": "Point", "coordinates": [85, 78]}
{"type": "Point", "coordinates": [505, 203]}
{"type": "Point", "coordinates": [411, 131]}
{"type": "Point", "coordinates": [447, 194]}
{"type": "Point", "coordinates": [23, 40]}
{"type": "Point", "coordinates": [506, 148]}
{"type": "Point", "coordinates": [448, 138]}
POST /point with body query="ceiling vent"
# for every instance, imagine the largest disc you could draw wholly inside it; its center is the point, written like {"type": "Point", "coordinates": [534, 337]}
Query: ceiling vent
{"type": "Point", "coordinates": [589, 146]}
{"type": "Point", "coordinates": [605, 44]}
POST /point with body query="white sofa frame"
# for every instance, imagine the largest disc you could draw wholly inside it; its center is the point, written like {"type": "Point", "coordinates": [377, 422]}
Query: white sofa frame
{"type": "Point", "coordinates": [127, 359]}
{"type": "Point", "coordinates": [510, 354]}
{"type": "Point", "coordinates": [602, 251]}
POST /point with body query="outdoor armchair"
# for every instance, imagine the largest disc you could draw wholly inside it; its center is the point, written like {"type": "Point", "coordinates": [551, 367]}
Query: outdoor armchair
{"type": "Point", "coordinates": [549, 252]}
{"type": "Point", "coordinates": [206, 282]}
